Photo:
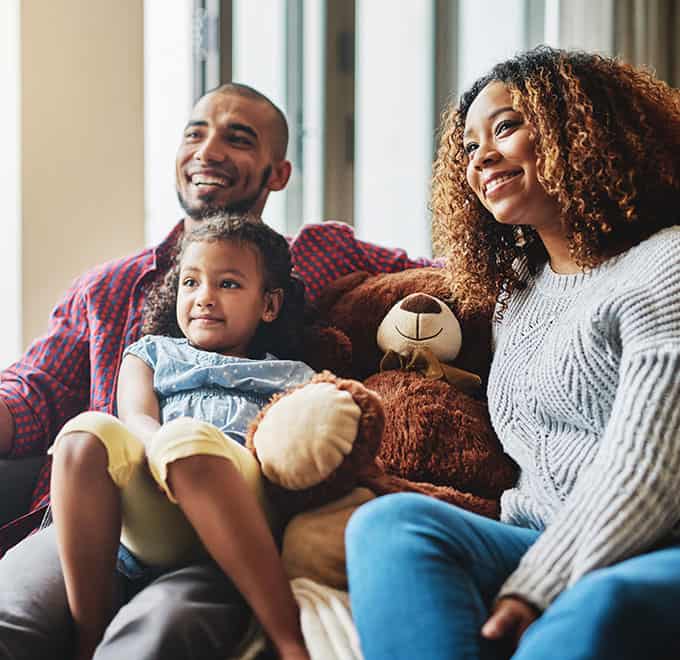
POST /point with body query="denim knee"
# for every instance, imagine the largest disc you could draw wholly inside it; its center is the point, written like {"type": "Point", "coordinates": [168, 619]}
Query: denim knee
{"type": "Point", "coordinates": [608, 597]}
{"type": "Point", "coordinates": [603, 616]}
{"type": "Point", "coordinates": [378, 520]}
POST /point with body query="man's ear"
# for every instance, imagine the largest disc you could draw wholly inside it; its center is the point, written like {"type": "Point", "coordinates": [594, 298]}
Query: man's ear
{"type": "Point", "coordinates": [280, 175]}
{"type": "Point", "coordinates": [272, 304]}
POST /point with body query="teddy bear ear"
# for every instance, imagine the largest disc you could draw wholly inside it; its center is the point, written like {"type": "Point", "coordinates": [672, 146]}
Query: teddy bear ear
{"type": "Point", "coordinates": [307, 435]}
{"type": "Point", "coordinates": [327, 347]}
{"type": "Point", "coordinates": [315, 442]}
{"type": "Point", "coordinates": [336, 289]}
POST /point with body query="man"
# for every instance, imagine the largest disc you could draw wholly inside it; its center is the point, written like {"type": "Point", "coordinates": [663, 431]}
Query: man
{"type": "Point", "coordinates": [232, 155]}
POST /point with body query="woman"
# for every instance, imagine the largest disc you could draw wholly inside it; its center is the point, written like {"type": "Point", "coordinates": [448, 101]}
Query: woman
{"type": "Point", "coordinates": [556, 196]}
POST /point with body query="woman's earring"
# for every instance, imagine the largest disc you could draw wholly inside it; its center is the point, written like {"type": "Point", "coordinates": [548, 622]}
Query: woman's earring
{"type": "Point", "coordinates": [520, 238]}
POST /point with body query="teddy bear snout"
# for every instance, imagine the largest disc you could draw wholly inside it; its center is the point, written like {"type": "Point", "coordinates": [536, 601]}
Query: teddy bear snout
{"type": "Point", "coordinates": [421, 303]}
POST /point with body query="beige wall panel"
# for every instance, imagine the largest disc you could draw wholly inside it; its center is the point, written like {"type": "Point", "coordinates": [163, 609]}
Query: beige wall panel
{"type": "Point", "coordinates": [82, 145]}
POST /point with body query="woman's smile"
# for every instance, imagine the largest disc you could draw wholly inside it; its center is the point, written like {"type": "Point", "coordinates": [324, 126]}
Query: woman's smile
{"type": "Point", "coordinates": [496, 183]}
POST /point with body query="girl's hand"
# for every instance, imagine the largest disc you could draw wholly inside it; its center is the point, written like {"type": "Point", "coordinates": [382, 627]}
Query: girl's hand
{"type": "Point", "coordinates": [510, 618]}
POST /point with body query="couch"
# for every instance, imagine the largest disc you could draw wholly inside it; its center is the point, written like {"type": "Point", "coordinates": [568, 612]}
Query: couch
{"type": "Point", "coordinates": [325, 616]}
{"type": "Point", "coordinates": [17, 479]}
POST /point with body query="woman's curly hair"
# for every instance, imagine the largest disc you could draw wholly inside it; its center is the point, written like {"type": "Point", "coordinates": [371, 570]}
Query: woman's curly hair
{"type": "Point", "coordinates": [607, 144]}
{"type": "Point", "coordinates": [282, 337]}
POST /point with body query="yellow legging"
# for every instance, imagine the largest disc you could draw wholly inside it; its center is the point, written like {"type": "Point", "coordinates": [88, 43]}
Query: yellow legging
{"type": "Point", "coordinates": [154, 527]}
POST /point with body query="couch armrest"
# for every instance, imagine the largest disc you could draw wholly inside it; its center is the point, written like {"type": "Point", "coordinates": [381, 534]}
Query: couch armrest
{"type": "Point", "coordinates": [17, 480]}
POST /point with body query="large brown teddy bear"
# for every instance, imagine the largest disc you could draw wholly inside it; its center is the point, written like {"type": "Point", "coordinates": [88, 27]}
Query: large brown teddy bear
{"type": "Point", "coordinates": [416, 422]}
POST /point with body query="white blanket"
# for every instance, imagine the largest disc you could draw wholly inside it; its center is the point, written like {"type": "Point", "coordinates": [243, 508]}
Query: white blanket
{"type": "Point", "coordinates": [326, 624]}
{"type": "Point", "coordinates": [326, 621]}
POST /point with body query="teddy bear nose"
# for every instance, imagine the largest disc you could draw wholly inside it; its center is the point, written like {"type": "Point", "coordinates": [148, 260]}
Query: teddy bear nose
{"type": "Point", "coordinates": [420, 303]}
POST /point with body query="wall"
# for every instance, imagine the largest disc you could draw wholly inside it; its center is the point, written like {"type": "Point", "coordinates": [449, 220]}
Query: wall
{"type": "Point", "coordinates": [10, 292]}
{"type": "Point", "coordinates": [81, 145]}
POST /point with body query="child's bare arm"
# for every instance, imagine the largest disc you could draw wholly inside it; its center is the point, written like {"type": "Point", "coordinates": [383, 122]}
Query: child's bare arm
{"type": "Point", "coordinates": [138, 404]}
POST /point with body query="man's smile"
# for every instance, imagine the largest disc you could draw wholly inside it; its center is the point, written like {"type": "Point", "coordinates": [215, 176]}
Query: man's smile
{"type": "Point", "coordinates": [211, 178]}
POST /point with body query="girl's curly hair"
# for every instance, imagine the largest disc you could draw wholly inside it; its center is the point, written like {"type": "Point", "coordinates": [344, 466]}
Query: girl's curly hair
{"type": "Point", "coordinates": [607, 144]}
{"type": "Point", "coordinates": [282, 337]}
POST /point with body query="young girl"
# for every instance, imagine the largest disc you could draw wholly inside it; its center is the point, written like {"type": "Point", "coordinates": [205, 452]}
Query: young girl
{"type": "Point", "coordinates": [556, 195]}
{"type": "Point", "coordinates": [168, 482]}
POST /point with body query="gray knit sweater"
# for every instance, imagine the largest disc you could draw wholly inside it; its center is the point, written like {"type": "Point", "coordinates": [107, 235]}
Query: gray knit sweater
{"type": "Point", "coordinates": [584, 393]}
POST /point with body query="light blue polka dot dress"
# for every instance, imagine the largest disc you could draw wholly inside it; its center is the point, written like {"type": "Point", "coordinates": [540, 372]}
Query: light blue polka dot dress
{"type": "Point", "coordinates": [223, 390]}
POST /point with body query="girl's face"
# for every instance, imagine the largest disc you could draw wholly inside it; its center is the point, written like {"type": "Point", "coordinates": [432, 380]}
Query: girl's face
{"type": "Point", "coordinates": [501, 165]}
{"type": "Point", "coordinates": [221, 298]}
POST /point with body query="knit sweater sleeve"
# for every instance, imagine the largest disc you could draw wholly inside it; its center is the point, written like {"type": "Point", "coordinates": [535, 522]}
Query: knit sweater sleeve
{"type": "Point", "coordinates": [629, 496]}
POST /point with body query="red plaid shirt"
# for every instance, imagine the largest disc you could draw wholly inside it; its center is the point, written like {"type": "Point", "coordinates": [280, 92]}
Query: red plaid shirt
{"type": "Point", "coordinates": [74, 367]}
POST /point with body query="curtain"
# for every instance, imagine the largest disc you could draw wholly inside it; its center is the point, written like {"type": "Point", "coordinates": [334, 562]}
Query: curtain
{"type": "Point", "coordinates": [647, 32]}
{"type": "Point", "coordinates": [642, 32]}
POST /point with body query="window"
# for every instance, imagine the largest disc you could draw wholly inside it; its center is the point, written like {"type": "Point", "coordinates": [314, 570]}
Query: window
{"type": "Point", "coordinates": [362, 83]}
{"type": "Point", "coordinates": [259, 59]}
{"type": "Point", "coordinates": [394, 122]}
{"type": "Point", "coordinates": [168, 99]}
{"type": "Point", "coordinates": [278, 48]}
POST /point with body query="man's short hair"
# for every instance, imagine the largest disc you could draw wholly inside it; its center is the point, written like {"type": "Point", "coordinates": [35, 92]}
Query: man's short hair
{"type": "Point", "coordinates": [280, 135]}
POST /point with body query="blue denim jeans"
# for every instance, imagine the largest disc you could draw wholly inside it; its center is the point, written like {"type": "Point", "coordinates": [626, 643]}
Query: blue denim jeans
{"type": "Point", "coordinates": [137, 575]}
{"type": "Point", "coordinates": [423, 576]}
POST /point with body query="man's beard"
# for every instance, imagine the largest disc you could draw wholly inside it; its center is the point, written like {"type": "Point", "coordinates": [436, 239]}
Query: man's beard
{"type": "Point", "coordinates": [208, 209]}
